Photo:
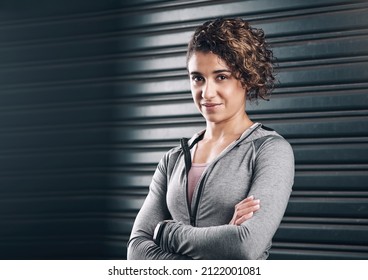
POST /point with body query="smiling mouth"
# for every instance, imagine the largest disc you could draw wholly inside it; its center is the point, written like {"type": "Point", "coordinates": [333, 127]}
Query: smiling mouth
{"type": "Point", "coordinates": [209, 105]}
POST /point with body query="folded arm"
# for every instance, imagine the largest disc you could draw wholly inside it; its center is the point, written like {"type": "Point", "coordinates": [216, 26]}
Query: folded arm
{"type": "Point", "coordinates": [272, 183]}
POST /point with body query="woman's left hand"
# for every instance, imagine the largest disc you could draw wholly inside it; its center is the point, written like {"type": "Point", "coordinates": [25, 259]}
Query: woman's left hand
{"type": "Point", "coordinates": [244, 210]}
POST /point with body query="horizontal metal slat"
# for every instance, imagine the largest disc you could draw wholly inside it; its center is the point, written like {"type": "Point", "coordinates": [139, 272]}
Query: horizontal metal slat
{"type": "Point", "coordinates": [59, 138]}
{"type": "Point", "coordinates": [315, 50]}
{"type": "Point", "coordinates": [353, 208]}
{"type": "Point", "coordinates": [60, 95]}
{"type": "Point", "coordinates": [298, 254]}
{"type": "Point", "coordinates": [53, 228]}
{"type": "Point", "coordinates": [329, 234]}
{"type": "Point", "coordinates": [72, 114]}
{"type": "Point", "coordinates": [57, 249]}
{"type": "Point", "coordinates": [77, 181]}
{"type": "Point", "coordinates": [331, 153]}
{"type": "Point", "coordinates": [86, 48]}
{"type": "Point", "coordinates": [331, 180]}
{"type": "Point", "coordinates": [50, 161]}
{"type": "Point", "coordinates": [81, 204]}
{"type": "Point", "coordinates": [313, 101]}
{"type": "Point", "coordinates": [337, 74]}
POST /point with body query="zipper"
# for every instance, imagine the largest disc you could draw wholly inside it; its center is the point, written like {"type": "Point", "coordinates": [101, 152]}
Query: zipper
{"type": "Point", "coordinates": [188, 165]}
{"type": "Point", "coordinates": [200, 187]}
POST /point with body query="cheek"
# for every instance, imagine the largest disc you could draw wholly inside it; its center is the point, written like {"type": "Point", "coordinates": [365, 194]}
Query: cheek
{"type": "Point", "coordinates": [195, 93]}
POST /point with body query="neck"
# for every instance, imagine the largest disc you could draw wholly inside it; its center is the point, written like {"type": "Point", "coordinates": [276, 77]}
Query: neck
{"type": "Point", "coordinates": [228, 128]}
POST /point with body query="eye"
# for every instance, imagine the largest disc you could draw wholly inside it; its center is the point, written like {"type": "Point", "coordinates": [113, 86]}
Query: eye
{"type": "Point", "coordinates": [222, 77]}
{"type": "Point", "coordinates": [197, 79]}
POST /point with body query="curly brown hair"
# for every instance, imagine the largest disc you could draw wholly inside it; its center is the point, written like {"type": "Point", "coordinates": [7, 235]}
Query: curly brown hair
{"type": "Point", "coordinates": [244, 50]}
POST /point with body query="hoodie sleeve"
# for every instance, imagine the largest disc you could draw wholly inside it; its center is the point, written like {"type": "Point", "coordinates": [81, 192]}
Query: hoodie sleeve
{"type": "Point", "coordinates": [154, 209]}
{"type": "Point", "coordinates": [273, 177]}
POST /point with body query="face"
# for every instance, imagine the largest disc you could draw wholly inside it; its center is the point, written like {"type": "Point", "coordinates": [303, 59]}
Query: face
{"type": "Point", "coordinates": [218, 95]}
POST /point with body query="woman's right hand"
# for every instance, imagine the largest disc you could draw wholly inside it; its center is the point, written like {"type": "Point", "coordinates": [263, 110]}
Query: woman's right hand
{"type": "Point", "coordinates": [244, 210]}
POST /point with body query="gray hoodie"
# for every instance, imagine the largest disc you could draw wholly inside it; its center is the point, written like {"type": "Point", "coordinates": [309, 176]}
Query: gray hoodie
{"type": "Point", "coordinates": [259, 163]}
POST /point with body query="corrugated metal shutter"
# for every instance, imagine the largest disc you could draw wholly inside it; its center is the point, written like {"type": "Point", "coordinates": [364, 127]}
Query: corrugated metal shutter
{"type": "Point", "coordinates": [92, 100]}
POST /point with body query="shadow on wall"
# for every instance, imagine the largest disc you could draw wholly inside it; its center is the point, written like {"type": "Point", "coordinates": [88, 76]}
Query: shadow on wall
{"type": "Point", "coordinates": [58, 87]}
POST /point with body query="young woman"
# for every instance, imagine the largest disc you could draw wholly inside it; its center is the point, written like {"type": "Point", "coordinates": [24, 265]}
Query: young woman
{"type": "Point", "coordinates": [221, 194]}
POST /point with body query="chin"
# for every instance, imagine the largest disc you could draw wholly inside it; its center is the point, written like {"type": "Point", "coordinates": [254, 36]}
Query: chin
{"type": "Point", "coordinates": [213, 119]}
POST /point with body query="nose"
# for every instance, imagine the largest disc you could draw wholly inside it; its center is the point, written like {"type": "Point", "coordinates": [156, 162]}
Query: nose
{"type": "Point", "coordinates": [208, 91]}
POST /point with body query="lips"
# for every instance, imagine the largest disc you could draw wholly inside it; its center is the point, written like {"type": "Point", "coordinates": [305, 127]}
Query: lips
{"type": "Point", "coordinates": [210, 105]}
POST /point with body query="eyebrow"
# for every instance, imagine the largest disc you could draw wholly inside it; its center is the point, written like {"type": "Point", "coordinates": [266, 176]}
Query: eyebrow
{"type": "Point", "coordinates": [214, 72]}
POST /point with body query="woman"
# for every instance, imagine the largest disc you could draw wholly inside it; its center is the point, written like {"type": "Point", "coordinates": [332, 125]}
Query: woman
{"type": "Point", "coordinates": [223, 193]}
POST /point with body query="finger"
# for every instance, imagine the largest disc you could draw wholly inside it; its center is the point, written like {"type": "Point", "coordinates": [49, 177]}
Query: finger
{"type": "Point", "coordinates": [247, 211]}
{"type": "Point", "coordinates": [232, 222]}
{"type": "Point", "coordinates": [242, 212]}
{"type": "Point", "coordinates": [243, 218]}
{"type": "Point", "coordinates": [246, 203]}
{"type": "Point", "coordinates": [249, 204]}
{"type": "Point", "coordinates": [249, 198]}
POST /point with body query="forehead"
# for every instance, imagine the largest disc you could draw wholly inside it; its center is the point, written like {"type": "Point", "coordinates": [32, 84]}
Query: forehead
{"type": "Point", "coordinates": [206, 61]}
